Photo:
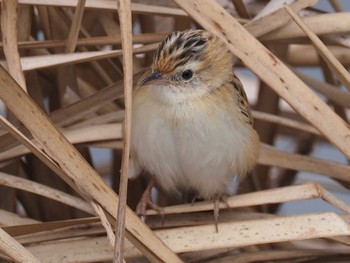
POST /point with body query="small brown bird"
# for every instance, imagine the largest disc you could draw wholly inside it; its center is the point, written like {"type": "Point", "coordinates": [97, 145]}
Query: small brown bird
{"type": "Point", "coordinates": [191, 121]}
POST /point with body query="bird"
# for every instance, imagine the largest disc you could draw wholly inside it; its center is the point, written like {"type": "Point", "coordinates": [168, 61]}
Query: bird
{"type": "Point", "coordinates": [192, 127]}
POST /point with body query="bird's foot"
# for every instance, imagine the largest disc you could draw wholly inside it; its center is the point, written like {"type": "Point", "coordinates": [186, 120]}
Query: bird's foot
{"type": "Point", "coordinates": [196, 198]}
{"type": "Point", "coordinates": [146, 202]}
{"type": "Point", "coordinates": [217, 199]}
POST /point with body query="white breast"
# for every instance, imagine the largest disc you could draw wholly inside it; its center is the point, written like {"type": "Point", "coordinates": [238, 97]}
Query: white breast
{"type": "Point", "coordinates": [188, 147]}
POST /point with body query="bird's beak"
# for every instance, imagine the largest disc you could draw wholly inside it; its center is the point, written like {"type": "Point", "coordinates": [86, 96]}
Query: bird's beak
{"type": "Point", "coordinates": [153, 78]}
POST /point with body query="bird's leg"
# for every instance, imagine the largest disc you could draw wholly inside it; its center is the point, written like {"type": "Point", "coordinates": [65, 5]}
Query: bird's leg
{"type": "Point", "coordinates": [146, 201]}
{"type": "Point", "coordinates": [217, 199]}
{"type": "Point", "coordinates": [194, 199]}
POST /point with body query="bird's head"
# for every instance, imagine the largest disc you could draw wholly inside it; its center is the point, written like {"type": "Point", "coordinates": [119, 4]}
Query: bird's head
{"type": "Point", "coordinates": [189, 63]}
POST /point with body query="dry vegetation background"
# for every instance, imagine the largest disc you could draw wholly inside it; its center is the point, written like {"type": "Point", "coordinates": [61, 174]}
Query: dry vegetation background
{"type": "Point", "coordinates": [64, 93]}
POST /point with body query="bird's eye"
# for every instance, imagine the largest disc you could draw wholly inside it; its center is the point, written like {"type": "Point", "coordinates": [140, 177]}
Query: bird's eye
{"type": "Point", "coordinates": [187, 74]}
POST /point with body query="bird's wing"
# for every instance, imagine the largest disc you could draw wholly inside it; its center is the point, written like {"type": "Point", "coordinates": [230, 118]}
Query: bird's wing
{"type": "Point", "coordinates": [243, 104]}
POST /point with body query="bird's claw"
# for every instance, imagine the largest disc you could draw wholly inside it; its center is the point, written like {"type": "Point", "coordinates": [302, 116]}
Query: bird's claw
{"type": "Point", "coordinates": [146, 202]}
{"type": "Point", "coordinates": [217, 199]}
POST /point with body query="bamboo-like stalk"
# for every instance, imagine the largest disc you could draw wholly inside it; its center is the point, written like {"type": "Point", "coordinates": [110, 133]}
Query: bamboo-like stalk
{"type": "Point", "coordinates": [321, 25]}
{"type": "Point", "coordinates": [124, 11]}
{"type": "Point", "coordinates": [91, 41]}
{"type": "Point", "coordinates": [275, 20]}
{"type": "Point", "coordinates": [290, 193]}
{"type": "Point", "coordinates": [40, 62]}
{"type": "Point", "coordinates": [15, 250]}
{"type": "Point", "coordinates": [306, 55]}
{"type": "Point", "coordinates": [256, 232]}
{"type": "Point", "coordinates": [336, 95]}
{"type": "Point", "coordinates": [8, 218]}
{"type": "Point", "coordinates": [240, 8]}
{"type": "Point", "coordinates": [284, 121]}
{"type": "Point", "coordinates": [75, 28]}
{"type": "Point", "coordinates": [109, 5]}
{"type": "Point", "coordinates": [80, 135]}
{"type": "Point", "coordinates": [338, 69]}
{"type": "Point", "coordinates": [26, 185]}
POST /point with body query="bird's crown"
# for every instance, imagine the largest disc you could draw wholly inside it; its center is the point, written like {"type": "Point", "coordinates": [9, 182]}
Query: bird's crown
{"type": "Point", "coordinates": [180, 48]}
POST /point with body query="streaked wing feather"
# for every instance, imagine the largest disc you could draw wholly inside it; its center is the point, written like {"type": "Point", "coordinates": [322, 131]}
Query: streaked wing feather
{"type": "Point", "coordinates": [242, 100]}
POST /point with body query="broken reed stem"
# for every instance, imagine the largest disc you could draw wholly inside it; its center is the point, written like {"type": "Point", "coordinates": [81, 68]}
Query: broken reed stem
{"type": "Point", "coordinates": [124, 11]}
{"type": "Point", "coordinates": [104, 221]}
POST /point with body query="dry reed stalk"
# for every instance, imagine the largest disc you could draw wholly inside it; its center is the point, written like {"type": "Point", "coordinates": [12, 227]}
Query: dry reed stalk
{"type": "Point", "coordinates": [275, 20]}
{"type": "Point", "coordinates": [338, 69]}
{"type": "Point", "coordinates": [321, 25]}
{"type": "Point", "coordinates": [9, 32]}
{"type": "Point", "coordinates": [87, 134]}
{"type": "Point", "coordinates": [285, 194]}
{"type": "Point", "coordinates": [105, 223]}
{"type": "Point", "coordinates": [109, 5]}
{"type": "Point", "coordinates": [91, 41]}
{"type": "Point", "coordinates": [15, 250]}
{"type": "Point", "coordinates": [306, 55]}
{"type": "Point", "coordinates": [330, 91]}
{"type": "Point", "coordinates": [40, 62]}
{"type": "Point", "coordinates": [124, 11]}
{"type": "Point", "coordinates": [29, 186]}
{"type": "Point", "coordinates": [8, 218]}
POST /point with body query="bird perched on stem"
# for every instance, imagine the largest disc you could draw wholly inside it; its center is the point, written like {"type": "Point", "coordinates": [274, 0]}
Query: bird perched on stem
{"type": "Point", "coordinates": [191, 121]}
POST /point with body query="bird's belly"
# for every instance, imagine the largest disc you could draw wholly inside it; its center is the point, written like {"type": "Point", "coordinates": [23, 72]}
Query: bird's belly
{"type": "Point", "coordinates": [207, 155]}
{"type": "Point", "coordinates": [198, 152]}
